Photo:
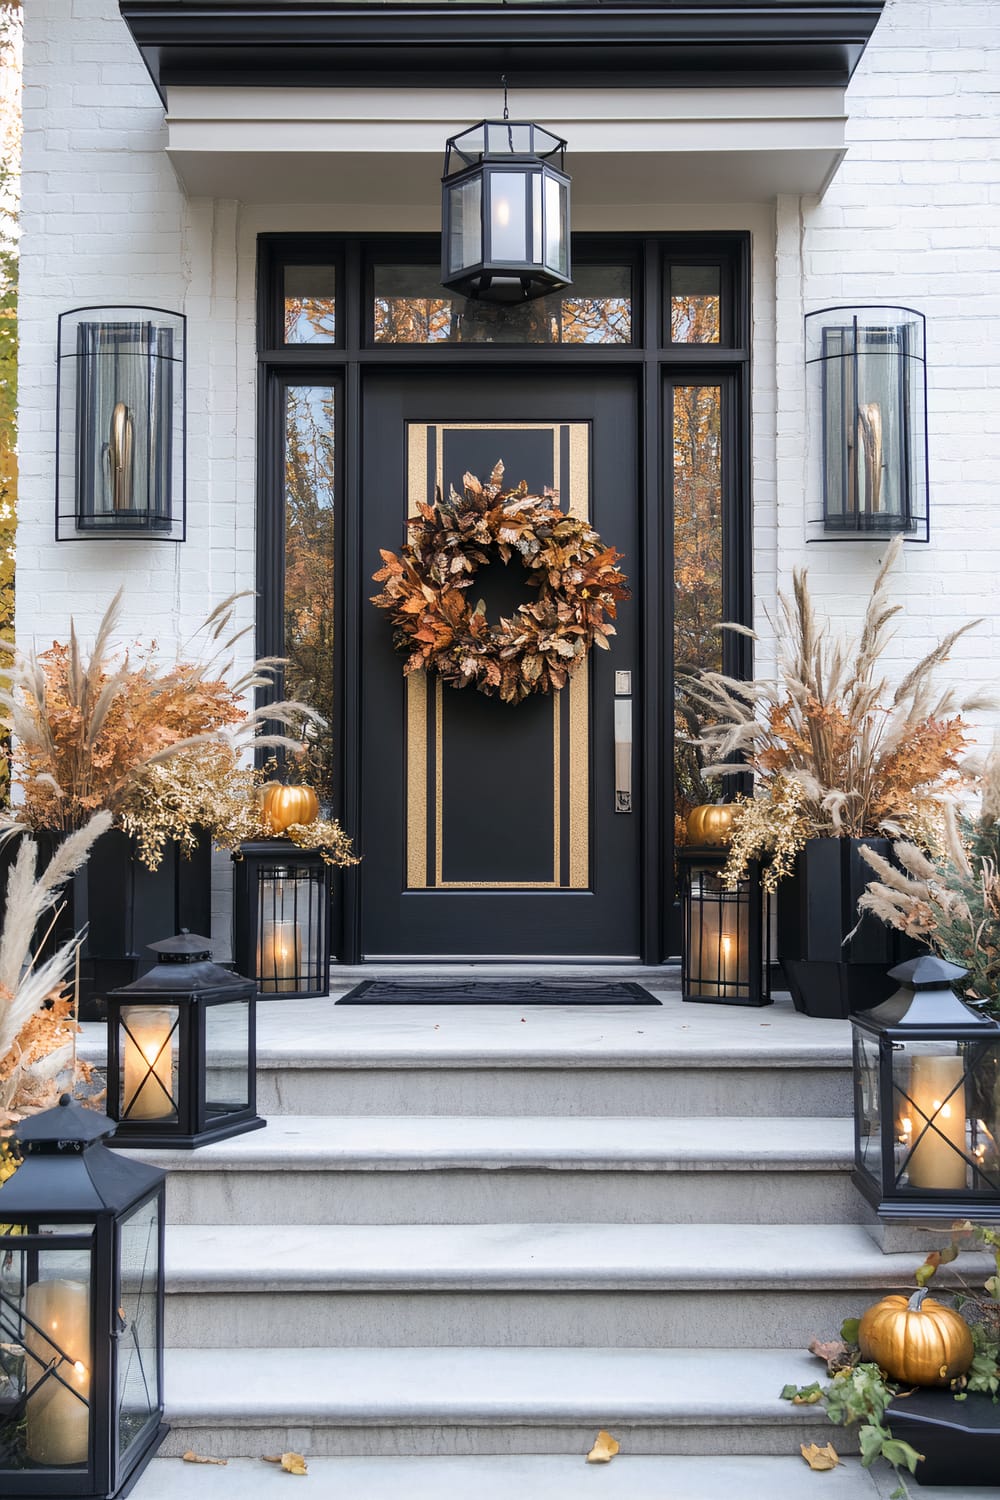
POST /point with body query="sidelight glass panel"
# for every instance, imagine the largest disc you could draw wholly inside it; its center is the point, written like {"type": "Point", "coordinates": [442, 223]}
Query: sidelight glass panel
{"type": "Point", "coordinates": [309, 493]}
{"type": "Point", "coordinates": [411, 307]}
{"type": "Point", "coordinates": [695, 304]}
{"type": "Point", "coordinates": [310, 305]}
{"type": "Point", "coordinates": [696, 430]}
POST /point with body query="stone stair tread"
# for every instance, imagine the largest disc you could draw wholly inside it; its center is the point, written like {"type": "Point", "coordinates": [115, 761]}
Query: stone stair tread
{"type": "Point", "coordinates": [558, 1256]}
{"type": "Point", "coordinates": [466, 1142]}
{"type": "Point", "coordinates": [545, 1477]}
{"type": "Point", "coordinates": [311, 1034]}
{"type": "Point", "coordinates": [302, 1388]}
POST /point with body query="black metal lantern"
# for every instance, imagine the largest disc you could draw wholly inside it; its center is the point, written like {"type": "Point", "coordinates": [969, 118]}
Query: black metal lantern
{"type": "Point", "coordinates": [927, 1100]}
{"type": "Point", "coordinates": [120, 439]}
{"type": "Point", "coordinates": [81, 1312]}
{"type": "Point", "coordinates": [725, 957]}
{"type": "Point", "coordinates": [281, 918]}
{"type": "Point", "coordinates": [867, 401]}
{"type": "Point", "coordinates": [505, 212]}
{"type": "Point", "coordinates": [182, 1056]}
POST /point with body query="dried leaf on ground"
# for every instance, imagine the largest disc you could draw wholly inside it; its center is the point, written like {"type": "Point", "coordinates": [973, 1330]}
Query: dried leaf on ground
{"type": "Point", "coordinates": [199, 1458]}
{"type": "Point", "coordinates": [292, 1463]}
{"type": "Point", "coordinates": [604, 1449]}
{"type": "Point", "coordinates": [820, 1458]}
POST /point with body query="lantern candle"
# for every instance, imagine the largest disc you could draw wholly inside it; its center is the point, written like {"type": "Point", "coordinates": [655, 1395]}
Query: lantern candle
{"type": "Point", "coordinates": [280, 961]}
{"type": "Point", "coordinates": [934, 1118]}
{"type": "Point", "coordinates": [148, 1063]}
{"type": "Point", "coordinates": [58, 1341]}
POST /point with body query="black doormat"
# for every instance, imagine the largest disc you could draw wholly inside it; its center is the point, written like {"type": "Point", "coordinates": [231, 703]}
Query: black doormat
{"type": "Point", "coordinates": [519, 992]}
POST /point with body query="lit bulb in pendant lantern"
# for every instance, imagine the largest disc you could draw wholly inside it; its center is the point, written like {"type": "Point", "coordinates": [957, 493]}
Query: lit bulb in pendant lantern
{"type": "Point", "coordinates": [505, 212]}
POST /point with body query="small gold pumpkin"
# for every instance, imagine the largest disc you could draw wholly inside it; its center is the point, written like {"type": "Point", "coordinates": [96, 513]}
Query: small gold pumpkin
{"type": "Point", "coordinates": [916, 1341]}
{"type": "Point", "coordinates": [711, 825]}
{"type": "Point", "coordinates": [281, 806]}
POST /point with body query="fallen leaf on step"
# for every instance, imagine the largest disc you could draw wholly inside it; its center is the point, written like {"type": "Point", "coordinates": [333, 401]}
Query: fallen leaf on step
{"type": "Point", "coordinates": [198, 1458]}
{"type": "Point", "coordinates": [820, 1458]}
{"type": "Point", "coordinates": [292, 1463]}
{"type": "Point", "coordinates": [604, 1449]}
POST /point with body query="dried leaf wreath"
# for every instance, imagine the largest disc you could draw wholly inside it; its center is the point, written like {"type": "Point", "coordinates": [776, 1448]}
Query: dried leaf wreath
{"type": "Point", "coordinates": [536, 650]}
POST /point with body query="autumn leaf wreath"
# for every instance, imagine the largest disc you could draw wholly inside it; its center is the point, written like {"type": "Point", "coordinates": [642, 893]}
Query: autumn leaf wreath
{"type": "Point", "coordinates": [425, 589]}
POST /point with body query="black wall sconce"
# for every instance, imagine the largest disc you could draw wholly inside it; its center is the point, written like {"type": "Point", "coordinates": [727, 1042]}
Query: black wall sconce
{"type": "Point", "coordinates": [505, 232]}
{"type": "Point", "coordinates": [866, 379]}
{"type": "Point", "coordinates": [120, 436]}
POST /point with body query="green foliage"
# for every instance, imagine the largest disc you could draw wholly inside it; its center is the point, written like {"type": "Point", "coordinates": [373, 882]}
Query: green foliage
{"type": "Point", "coordinates": [859, 1396]}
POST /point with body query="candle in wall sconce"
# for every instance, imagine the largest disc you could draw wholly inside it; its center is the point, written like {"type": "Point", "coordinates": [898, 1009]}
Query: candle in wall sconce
{"type": "Point", "coordinates": [58, 1340]}
{"type": "Point", "coordinates": [280, 959]}
{"type": "Point", "coordinates": [937, 1096]}
{"type": "Point", "coordinates": [148, 1063]}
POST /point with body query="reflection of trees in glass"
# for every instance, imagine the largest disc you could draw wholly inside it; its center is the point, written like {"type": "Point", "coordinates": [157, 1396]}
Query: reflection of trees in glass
{"type": "Point", "coordinates": [698, 602]}
{"type": "Point", "coordinates": [409, 309]}
{"type": "Point", "coordinates": [694, 320]}
{"type": "Point", "coordinates": [309, 524]}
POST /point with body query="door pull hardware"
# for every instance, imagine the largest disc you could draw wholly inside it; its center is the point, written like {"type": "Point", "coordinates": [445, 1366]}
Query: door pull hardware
{"type": "Point", "coordinates": [623, 754]}
{"type": "Point", "coordinates": [623, 684]}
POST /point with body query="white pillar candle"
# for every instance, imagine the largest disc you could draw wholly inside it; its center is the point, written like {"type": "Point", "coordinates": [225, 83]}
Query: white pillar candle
{"type": "Point", "coordinates": [280, 957]}
{"type": "Point", "coordinates": [58, 1425]}
{"type": "Point", "coordinates": [936, 1095]}
{"type": "Point", "coordinates": [148, 1063]}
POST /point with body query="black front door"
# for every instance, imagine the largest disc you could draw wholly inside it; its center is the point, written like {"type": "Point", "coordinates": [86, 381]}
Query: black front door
{"type": "Point", "coordinates": [492, 829]}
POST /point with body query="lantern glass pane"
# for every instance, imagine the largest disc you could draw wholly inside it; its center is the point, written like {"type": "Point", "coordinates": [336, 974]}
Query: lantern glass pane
{"type": "Point", "coordinates": [537, 221]}
{"type": "Point", "coordinates": [508, 207]}
{"type": "Point", "coordinates": [465, 236]}
{"type": "Point", "coordinates": [227, 1058]}
{"type": "Point", "coordinates": [125, 421]}
{"type": "Point", "coordinates": [139, 1399]}
{"type": "Point", "coordinates": [868, 1104]}
{"type": "Point", "coordinates": [511, 136]}
{"type": "Point", "coordinates": [46, 1351]}
{"type": "Point", "coordinates": [148, 1045]}
{"type": "Point", "coordinates": [291, 927]}
{"type": "Point", "coordinates": [931, 1117]}
{"type": "Point", "coordinates": [983, 1096]}
{"type": "Point", "coordinates": [718, 934]}
{"type": "Point", "coordinates": [556, 222]}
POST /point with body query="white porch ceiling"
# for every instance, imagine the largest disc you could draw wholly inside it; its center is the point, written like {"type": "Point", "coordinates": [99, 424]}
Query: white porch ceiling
{"type": "Point", "coordinates": [386, 145]}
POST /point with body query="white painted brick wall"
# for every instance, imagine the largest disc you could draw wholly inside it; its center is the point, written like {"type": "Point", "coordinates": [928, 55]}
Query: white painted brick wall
{"type": "Point", "coordinates": [913, 216]}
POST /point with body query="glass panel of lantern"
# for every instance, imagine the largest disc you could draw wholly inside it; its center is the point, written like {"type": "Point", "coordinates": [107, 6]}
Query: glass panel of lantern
{"type": "Point", "coordinates": [281, 918]}
{"type": "Point", "coordinates": [927, 1100]}
{"type": "Point", "coordinates": [120, 460]}
{"type": "Point", "coordinates": [725, 957]}
{"type": "Point", "coordinates": [181, 1053]}
{"type": "Point", "coordinates": [81, 1312]}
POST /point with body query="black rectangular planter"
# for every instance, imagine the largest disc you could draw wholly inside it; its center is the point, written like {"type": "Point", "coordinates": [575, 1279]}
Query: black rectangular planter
{"type": "Point", "coordinates": [123, 905]}
{"type": "Point", "coordinates": [960, 1440]}
{"type": "Point", "coordinates": [817, 908]}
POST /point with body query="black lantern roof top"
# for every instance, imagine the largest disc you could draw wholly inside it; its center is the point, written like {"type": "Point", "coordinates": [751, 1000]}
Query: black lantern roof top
{"type": "Point", "coordinates": [502, 139]}
{"type": "Point", "coordinates": [68, 1173]}
{"type": "Point", "coordinates": [185, 972]}
{"type": "Point", "coordinates": [542, 43]}
{"type": "Point", "coordinates": [926, 1002]}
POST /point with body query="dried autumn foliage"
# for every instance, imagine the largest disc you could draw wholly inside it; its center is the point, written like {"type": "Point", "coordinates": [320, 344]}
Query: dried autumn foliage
{"type": "Point", "coordinates": [858, 753]}
{"type": "Point", "coordinates": [544, 642]}
{"type": "Point", "coordinates": [86, 730]}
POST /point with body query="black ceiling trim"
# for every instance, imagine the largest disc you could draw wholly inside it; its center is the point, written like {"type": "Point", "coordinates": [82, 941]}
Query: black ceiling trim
{"type": "Point", "coordinates": [700, 43]}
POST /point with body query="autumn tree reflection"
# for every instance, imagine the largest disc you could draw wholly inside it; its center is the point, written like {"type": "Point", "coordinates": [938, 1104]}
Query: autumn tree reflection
{"type": "Point", "coordinates": [309, 538]}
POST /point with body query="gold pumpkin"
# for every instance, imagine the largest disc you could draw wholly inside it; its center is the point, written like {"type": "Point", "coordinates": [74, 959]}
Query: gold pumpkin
{"type": "Point", "coordinates": [281, 806]}
{"type": "Point", "coordinates": [711, 824]}
{"type": "Point", "coordinates": [916, 1341]}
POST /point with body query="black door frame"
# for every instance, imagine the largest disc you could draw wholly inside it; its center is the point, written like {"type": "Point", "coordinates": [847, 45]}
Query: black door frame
{"type": "Point", "coordinates": [654, 361]}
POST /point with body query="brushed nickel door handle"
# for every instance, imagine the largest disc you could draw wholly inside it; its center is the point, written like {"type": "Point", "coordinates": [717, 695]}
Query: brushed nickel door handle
{"type": "Point", "coordinates": [623, 755]}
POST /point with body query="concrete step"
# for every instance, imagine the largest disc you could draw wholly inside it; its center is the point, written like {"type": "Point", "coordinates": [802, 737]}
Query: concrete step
{"type": "Point", "coordinates": [540, 1169]}
{"type": "Point", "coordinates": [557, 1477]}
{"type": "Point", "coordinates": [318, 1058]}
{"type": "Point", "coordinates": [517, 1285]}
{"type": "Point", "coordinates": [388, 1402]}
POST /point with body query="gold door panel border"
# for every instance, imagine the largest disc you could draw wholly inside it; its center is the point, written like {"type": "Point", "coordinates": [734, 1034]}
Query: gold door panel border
{"type": "Point", "coordinates": [425, 822]}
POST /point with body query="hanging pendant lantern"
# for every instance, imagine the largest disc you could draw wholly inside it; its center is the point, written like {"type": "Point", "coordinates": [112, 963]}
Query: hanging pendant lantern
{"type": "Point", "coordinates": [505, 212]}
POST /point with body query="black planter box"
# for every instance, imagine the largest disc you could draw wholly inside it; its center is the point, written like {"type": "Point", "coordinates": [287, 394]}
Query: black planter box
{"type": "Point", "coordinates": [817, 907]}
{"type": "Point", "coordinates": [960, 1440]}
{"type": "Point", "coordinates": [123, 906]}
